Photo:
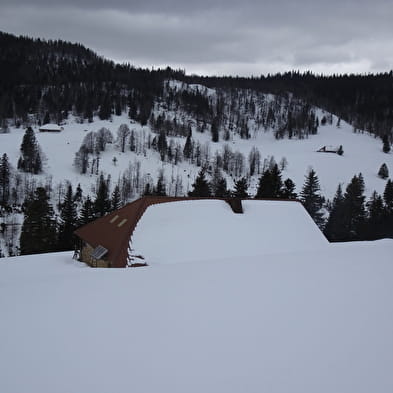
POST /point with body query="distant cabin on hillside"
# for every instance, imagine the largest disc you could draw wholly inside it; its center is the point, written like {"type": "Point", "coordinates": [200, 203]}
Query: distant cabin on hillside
{"type": "Point", "coordinates": [331, 149]}
{"type": "Point", "coordinates": [51, 128]}
{"type": "Point", "coordinates": [160, 230]}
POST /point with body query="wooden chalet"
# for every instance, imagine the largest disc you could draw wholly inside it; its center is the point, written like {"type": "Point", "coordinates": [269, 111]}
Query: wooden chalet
{"type": "Point", "coordinates": [105, 241]}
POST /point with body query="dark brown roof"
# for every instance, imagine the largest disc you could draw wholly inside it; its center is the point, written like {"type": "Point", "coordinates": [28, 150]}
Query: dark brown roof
{"type": "Point", "coordinates": [114, 230]}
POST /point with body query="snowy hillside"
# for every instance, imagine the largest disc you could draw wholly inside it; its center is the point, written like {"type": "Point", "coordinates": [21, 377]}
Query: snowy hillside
{"type": "Point", "coordinates": [362, 153]}
{"type": "Point", "coordinates": [234, 134]}
{"type": "Point", "coordinates": [305, 322]}
{"type": "Point", "coordinates": [204, 230]}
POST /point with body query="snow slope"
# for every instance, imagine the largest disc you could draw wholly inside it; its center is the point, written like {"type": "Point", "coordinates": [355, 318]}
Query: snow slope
{"type": "Point", "coordinates": [207, 229]}
{"type": "Point", "coordinates": [362, 153]}
{"type": "Point", "coordinates": [300, 322]}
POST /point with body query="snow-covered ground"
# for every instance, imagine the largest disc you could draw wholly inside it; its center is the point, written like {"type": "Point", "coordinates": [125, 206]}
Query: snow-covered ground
{"type": "Point", "coordinates": [300, 322]}
{"type": "Point", "coordinates": [362, 153]}
{"type": "Point", "coordinates": [207, 229]}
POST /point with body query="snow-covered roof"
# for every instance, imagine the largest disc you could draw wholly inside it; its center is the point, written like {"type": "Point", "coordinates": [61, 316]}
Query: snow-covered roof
{"type": "Point", "coordinates": [201, 228]}
{"type": "Point", "coordinates": [186, 231]}
{"type": "Point", "coordinates": [51, 127]}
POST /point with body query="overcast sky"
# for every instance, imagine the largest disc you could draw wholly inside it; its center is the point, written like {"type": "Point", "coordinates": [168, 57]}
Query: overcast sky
{"type": "Point", "coordinates": [216, 37]}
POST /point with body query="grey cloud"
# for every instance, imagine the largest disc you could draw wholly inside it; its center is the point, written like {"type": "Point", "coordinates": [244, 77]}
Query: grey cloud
{"type": "Point", "coordinates": [218, 37]}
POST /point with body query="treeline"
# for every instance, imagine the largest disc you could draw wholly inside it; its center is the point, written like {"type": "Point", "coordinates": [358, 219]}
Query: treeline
{"type": "Point", "coordinates": [347, 218]}
{"type": "Point", "coordinates": [48, 80]}
{"type": "Point", "coordinates": [364, 101]}
{"type": "Point", "coordinates": [52, 215]}
{"type": "Point", "coordinates": [42, 79]}
{"type": "Point", "coordinates": [352, 218]}
{"type": "Point", "coordinates": [43, 231]}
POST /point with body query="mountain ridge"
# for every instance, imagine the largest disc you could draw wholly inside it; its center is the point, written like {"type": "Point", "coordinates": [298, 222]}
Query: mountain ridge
{"type": "Point", "coordinates": [78, 74]}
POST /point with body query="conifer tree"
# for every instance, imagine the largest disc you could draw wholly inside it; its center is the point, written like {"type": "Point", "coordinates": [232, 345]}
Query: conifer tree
{"type": "Point", "coordinates": [388, 204]}
{"type": "Point", "coordinates": [78, 193]}
{"type": "Point", "coordinates": [102, 203]}
{"type": "Point", "coordinates": [105, 108]}
{"type": "Point", "coordinates": [201, 186]}
{"type": "Point", "coordinates": [88, 114]}
{"type": "Point", "coordinates": [38, 233]}
{"type": "Point", "coordinates": [334, 228]}
{"type": "Point", "coordinates": [383, 172]}
{"type": "Point", "coordinates": [385, 144]}
{"type": "Point", "coordinates": [68, 221]}
{"type": "Point", "coordinates": [5, 179]}
{"type": "Point", "coordinates": [311, 197]}
{"type": "Point", "coordinates": [221, 188]}
{"type": "Point", "coordinates": [160, 189]}
{"type": "Point", "coordinates": [241, 187]}
{"type": "Point", "coordinates": [376, 218]}
{"type": "Point", "coordinates": [87, 212]}
{"type": "Point", "coordinates": [118, 106]}
{"type": "Point", "coordinates": [270, 184]}
{"type": "Point", "coordinates": [148, 190]}
{"type": "Point", "coordinates": [288, 190]}
{"type": "Point", "coordinates": [354, 213]}
{"type": "Point", "coordinates": [254, 159]}
{"type": "Point", "coordinates": [214, 130]}
{"type": "Point", "coordinates": [216, 183]}
{"type": "Point", "coordinates": [37, 166]}
{"type": "Point", "coordinates": [132, 141]}
{"type": "Point", "coordinates": [188, 146]}
{"type": "Point", "coordinates": [30, 160]}
{"type": "Point", "coordinates": [388, 196]}
{"type": "Point", "coordinates": [116, 198]}
{"type": "Point", "coordinates": [162, 144]}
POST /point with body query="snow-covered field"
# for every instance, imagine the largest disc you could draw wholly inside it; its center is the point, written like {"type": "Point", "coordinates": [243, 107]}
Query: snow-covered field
{"type": "Point", "coordinates": [362, 153]}
{"type": "Point", "coordinates": [305, 322]}
{"type": "Point", "coordinates": [204, 230]}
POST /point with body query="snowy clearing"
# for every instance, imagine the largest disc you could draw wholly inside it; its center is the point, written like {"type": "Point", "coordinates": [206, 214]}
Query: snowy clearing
{"type": "Point", "coordinates": [311, 321]}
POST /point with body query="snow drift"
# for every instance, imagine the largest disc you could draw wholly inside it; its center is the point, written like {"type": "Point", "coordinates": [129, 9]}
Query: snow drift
{"type": "Point", "coordinates": [299, 322]}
